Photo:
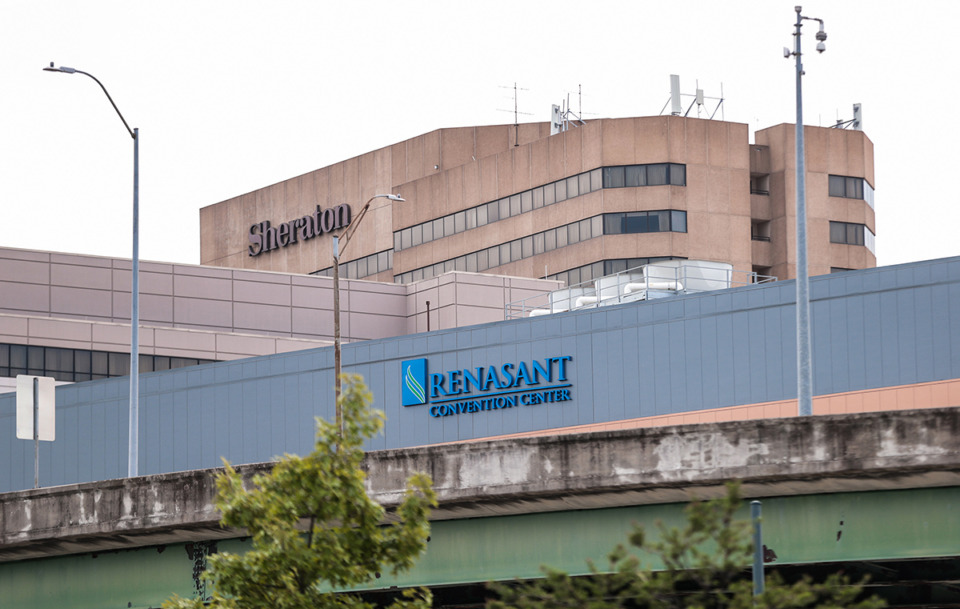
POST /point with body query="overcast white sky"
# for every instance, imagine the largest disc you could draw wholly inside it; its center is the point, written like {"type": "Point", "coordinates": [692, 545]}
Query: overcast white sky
{"type": "Point", "coordinates": [233, 96]}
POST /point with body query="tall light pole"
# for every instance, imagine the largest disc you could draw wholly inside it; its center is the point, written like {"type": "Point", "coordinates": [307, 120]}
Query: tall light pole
{"type": "Point", "coordinates": [133, 449]}
{"type": "Point", "coordinates": [804, 362]}
{"type": "Point", "coordinates": [336, 298]}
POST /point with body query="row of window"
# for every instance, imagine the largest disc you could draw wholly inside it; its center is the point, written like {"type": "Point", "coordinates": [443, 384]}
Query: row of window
{"type": "Point", "coordinates": [658, 174]}
{"type": "Point", "coordinates": [73, 365]}
{"type": "Point", "coordinates": [505, 253]}
{"type": "Point", "coordinates": [607, 177]}
{"type": "Point", "coordinates": [851, 188]}
{"type": "Point", "coordinates": [613, 223]}
{"type": "Point", "coordinates": [362, 267]}
{"type": "Point", "coordinates": [603, 268]}
{"type": "Point", "coordinates": [545, 241]}
{"type": "Point", "coordinates": [848, 233]}
{"type": "Point", "coordinates": [501, 209]}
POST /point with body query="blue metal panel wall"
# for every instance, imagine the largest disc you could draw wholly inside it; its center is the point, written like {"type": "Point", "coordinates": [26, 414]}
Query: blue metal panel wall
{"type": "Point", "coordinates": [872, 328]}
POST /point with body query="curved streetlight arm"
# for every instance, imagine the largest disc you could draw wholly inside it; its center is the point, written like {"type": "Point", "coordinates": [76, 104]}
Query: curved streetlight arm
{"type": "Point", "coordinates": [67, 70]}
{"type": "Point", "coordinates": [337, 250]}
{"type": "Point", "coordinates": [133, 453]}
{"type": "Point", "coordinates": [356, 221]}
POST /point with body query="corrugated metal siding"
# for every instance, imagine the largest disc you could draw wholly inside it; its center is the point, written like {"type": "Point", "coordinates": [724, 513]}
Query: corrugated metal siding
{"type": "Point", "coordinates": [873, 328]}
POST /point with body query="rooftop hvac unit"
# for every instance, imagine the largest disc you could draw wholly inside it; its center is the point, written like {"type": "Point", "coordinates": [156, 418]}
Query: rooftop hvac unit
{"type": "Point", "coordinates": [694, 275]}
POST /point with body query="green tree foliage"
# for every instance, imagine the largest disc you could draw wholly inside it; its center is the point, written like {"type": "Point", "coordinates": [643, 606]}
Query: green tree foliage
{"type": "Point", "coordinates": [313, 527]}
{"type": "Point", "coordinates": [705, 566]}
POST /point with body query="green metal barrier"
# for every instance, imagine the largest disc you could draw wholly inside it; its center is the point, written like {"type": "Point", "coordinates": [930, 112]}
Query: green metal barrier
{"type": "Point", "coordinates": [881, 525]}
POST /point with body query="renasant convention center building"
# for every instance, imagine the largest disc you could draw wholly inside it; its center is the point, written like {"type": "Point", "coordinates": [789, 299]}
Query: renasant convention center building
{"type": "Point", "coordinates": [236, 351]}
{"type": "Point", "coordinates": [606, 279]}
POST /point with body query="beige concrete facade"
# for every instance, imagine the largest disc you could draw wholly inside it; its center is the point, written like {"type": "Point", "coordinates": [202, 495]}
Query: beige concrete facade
{"type": "Point", "coordinates": [829, 152]}
{"type": "Point", "coordinates": [738, 199]}
{"type": "Point", "coordinates": [73, 301]}
{"type": "Point", "coordinates": [224, 227]}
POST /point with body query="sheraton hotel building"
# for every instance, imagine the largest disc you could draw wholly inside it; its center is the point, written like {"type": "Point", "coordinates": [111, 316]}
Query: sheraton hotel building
{"type": "Point", "coordinates": [574, 206]}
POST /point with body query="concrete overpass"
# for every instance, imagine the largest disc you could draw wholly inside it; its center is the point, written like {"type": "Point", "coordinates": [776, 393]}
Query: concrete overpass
{"type": "Point", "coordinates": [875, 493]}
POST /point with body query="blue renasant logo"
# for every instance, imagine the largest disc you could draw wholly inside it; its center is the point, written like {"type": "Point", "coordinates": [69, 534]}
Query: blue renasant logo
{"type": "Point", "coordinates": [414, 390]}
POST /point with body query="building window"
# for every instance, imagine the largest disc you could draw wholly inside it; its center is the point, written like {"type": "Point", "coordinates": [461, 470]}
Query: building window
{"type": "Point", "coordinates": [657, 174]}
{"type": "Point", "coordinates": [760, 231]}
{"type": "Point", "coordinates": [74, 365]}
{"type": "Point", "coordinates": [851, 188]}
{"type": "Point", "coordinates": [631, 222]}
{"type": "Point", "coordinates": [848, 233]}
{"type": "Point", "coordinates": [839, 269]}
{"type": "Point", "coordinates": [760, 185]}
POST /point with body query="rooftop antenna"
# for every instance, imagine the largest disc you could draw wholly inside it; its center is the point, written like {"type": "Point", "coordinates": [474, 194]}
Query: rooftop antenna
{"type": "Point", "coordinates": [676, 104]}
{"type": "Point", "coordinates": [561, 117]}
{"type": "Point", "coordinates": [855, 123]}
{"type": "Point", "coordinates": [698, 99]}
{"type": "Point", "coordinates": [516, 113]}
{"type": "Point", "coordinates": [580, 114]}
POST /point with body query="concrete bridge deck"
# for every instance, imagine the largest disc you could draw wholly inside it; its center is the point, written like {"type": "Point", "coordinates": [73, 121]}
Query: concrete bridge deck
{"type": "Point", "coordinates": [900, 470]}
{"type": "Point", "coordinates": [865, 452]}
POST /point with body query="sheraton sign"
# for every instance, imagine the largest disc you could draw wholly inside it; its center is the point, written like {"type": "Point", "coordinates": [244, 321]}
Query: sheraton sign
{"type": "Point", "coordinates": [265, 238]}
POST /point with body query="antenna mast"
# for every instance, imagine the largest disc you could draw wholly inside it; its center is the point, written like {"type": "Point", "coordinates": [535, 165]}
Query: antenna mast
{"type": "Point", "coordinates": [676, 107]}
{"type": "Point", "coordinates": [856, 123]}
{"type": "Point", "coordinates": [516, 120]}
{"type": "Point", "coordinates": [563, 116]}
{"type": "Point", "coordinates": [516, 112]}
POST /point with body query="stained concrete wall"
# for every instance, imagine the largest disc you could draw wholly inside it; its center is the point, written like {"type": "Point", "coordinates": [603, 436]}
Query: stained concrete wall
{"type": "Point", "coordinates": [873, 328]}
{"type": "Point", "coordinates": [876, 451]}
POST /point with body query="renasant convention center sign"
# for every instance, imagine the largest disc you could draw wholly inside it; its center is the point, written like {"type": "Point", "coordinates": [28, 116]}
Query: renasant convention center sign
{"type": "Point", "coordinates": [486, 388]}
{"type": "Point", "coordinates": [265, 238]}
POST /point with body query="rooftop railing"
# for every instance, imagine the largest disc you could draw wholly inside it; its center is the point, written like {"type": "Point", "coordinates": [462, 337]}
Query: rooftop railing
{"type": "Point", "coordinates": [647, 282]}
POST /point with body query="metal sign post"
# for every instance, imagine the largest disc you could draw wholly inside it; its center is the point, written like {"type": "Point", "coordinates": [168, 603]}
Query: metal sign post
{"type": "Point", "coordinates": [36, 417]}
{"type": "Point", "coordinates": [756, 517]}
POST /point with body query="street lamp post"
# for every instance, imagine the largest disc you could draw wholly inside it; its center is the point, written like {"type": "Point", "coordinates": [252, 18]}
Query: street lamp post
{"type": "Point", "coordinates": [804, 361]}
{"type": "Point", "coordinates": [133, 449]}
{"type": "Point", "coordinates": [337, 250]}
